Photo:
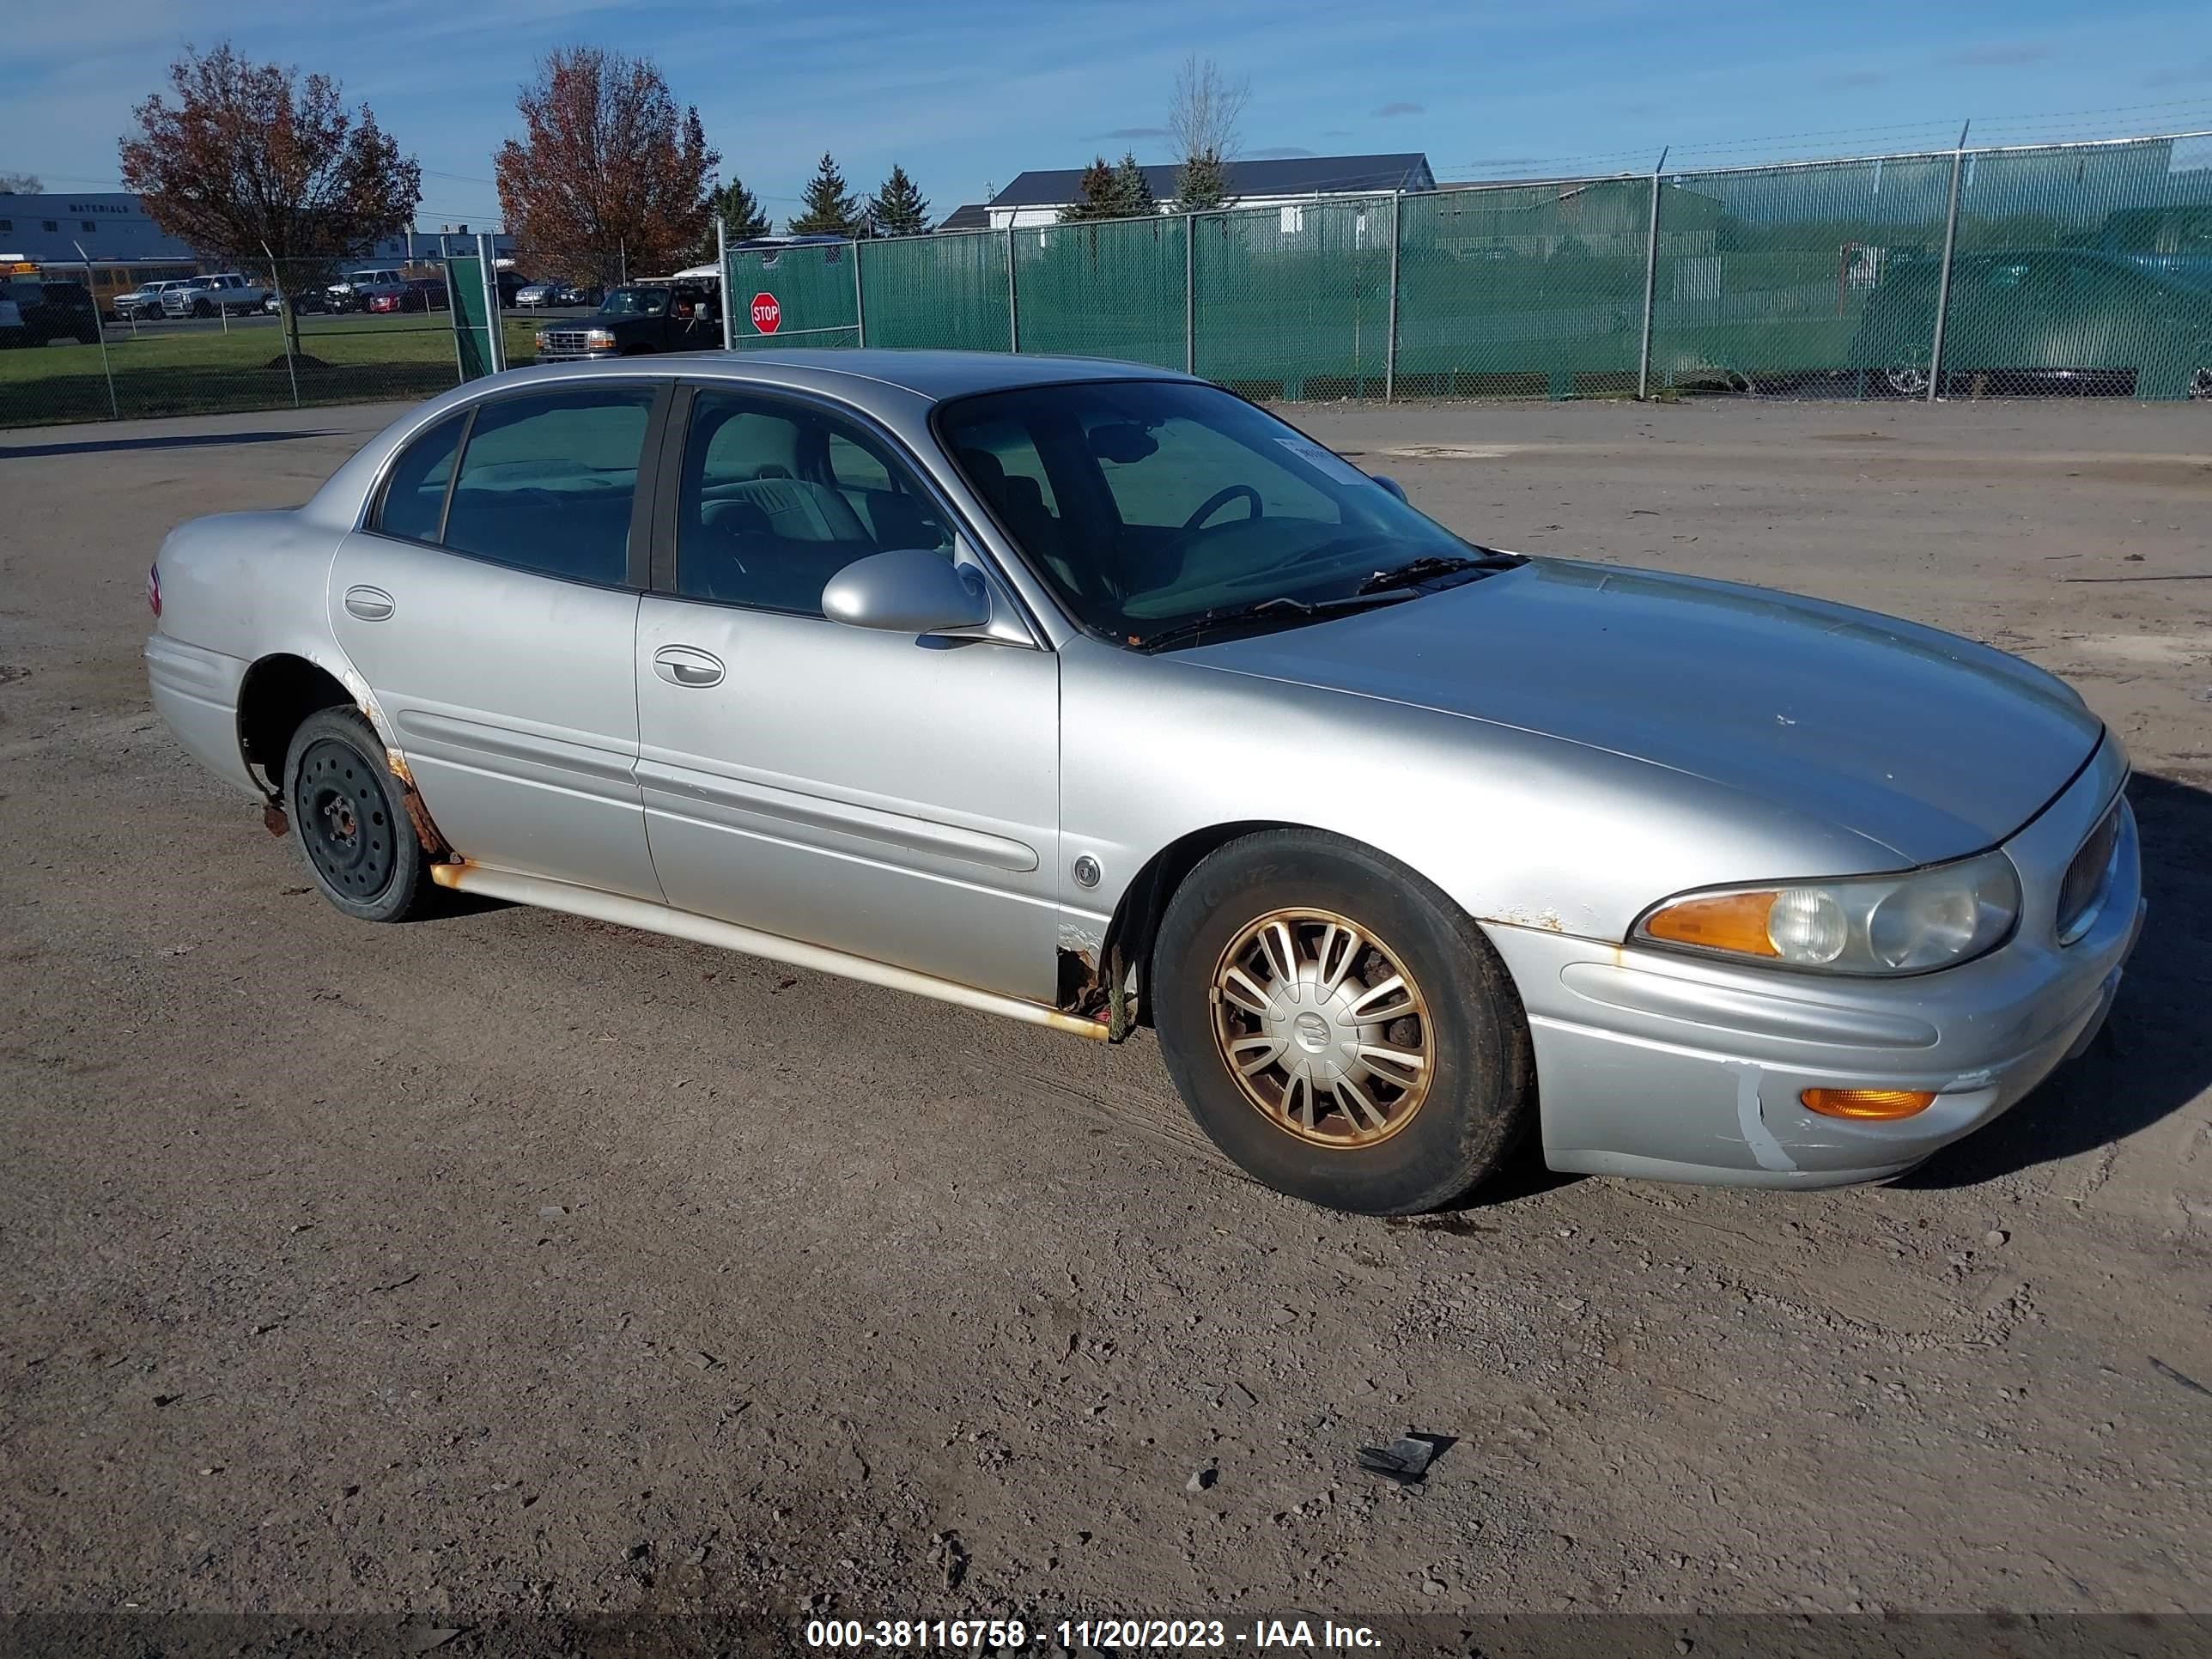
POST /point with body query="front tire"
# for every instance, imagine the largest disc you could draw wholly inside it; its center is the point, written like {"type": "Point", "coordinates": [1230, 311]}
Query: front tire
{"type": "Point", "coordinates": [1337, 1027]}
{"type": "Point", "coordinates": [349, 819]}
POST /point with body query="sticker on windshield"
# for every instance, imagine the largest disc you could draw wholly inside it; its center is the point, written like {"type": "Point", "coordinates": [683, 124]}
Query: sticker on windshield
{"type": "Point", "coordinates": [1335, 467]}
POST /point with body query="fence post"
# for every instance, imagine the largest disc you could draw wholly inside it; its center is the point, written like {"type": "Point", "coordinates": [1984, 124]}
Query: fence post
{"type": "Point", "coordinates": [284, 315]}
{"type": "Point", "coordinates": [1943, 281]}
{"type": "Point", "coordinates": [1190, 294]}
{"type": "Point", "coordinates": [1390, 341]}
{"type": "Point", "coordinates": [91, 286]}
{"type": "Point", "coordinates": [1013, 319]}
{"type": "Point", "coordinates": [1650, 283]}
{"type": "Point", "coordinates": [729, 291]}
{"type": "Point", "coordinates": [859, 312]}
{"type": "Point", "coordinates": [495, 324]}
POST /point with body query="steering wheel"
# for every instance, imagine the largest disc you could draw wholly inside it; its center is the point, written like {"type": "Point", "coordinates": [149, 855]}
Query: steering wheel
{"type": "Point", "coordinates": [1221, 498]}
{"type": "Point", "coordinates": [1168, 557]}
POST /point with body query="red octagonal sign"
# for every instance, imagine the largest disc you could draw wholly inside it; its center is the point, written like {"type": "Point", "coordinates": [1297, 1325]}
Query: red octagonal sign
{"type": "Point", "coordinates": [768, 316]}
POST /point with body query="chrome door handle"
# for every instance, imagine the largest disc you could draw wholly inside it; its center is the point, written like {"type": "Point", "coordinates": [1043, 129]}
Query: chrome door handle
{"type": "Point", "coordinates": [369, 604]}
{"type": "Point", "coordinates": [686, 665]}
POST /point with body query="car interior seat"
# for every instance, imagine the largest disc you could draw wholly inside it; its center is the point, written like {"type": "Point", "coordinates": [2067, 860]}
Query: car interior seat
{"type": "Point", "coordinates": [1019, 503]}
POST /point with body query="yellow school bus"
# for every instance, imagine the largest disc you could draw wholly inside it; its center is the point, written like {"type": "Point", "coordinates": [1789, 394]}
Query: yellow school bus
{"type": "Point", "coordinates": [110, 280]}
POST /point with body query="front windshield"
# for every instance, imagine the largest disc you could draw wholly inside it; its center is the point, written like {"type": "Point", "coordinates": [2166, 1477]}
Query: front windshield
{"type": "Point", "coordinates": [1147, 504]}
{"type": "Point", "coordinates": [636, 302]}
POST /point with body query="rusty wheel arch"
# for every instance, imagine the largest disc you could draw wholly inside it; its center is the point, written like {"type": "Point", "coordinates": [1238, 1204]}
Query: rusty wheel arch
{"type": "Point", "coordinates": [1136, 921]}
{"type": "Point", "coordinates": [277, 694]}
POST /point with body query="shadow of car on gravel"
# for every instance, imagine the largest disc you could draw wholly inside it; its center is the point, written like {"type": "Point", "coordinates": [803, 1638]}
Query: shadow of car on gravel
{"type": "Point", "coordinates": [2155, 1054]}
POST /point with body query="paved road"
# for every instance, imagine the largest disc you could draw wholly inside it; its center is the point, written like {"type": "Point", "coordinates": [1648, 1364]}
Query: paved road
{"type": "Point", "coordinates": [509, 1261]}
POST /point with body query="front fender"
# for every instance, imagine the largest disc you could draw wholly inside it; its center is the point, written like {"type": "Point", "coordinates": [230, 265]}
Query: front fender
{"type": "Point", "coordinates": [1518, 828]}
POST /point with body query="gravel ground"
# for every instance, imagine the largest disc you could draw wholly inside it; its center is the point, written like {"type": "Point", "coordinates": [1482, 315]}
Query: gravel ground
{"type": "Point", "coordinates": [510, 1263]}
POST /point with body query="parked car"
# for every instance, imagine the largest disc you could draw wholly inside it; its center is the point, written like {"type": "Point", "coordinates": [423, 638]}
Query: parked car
{"type": "Point", "coordinates": [224, 294]}
{"type": "Point", "coordinates": [351, 292]}
{"type": "Point", "coordinates": [534, 295]}
{"type": "Point", "coordinates": [509, 283]}
{"type": "Point", "coordinates": [2176, 238]}
{"type": "Point", "coordinates": [44, 312]}
{"type": "Point", "coordinates": [581, 293]}
{"type": "Point", "coordinates": [1093, 695]}
{"type": "Point", "coordinates": [2042, 320]}
{"type": "Point", "coordinates": [419, 293]}
{"type": "Point", "coordinates": [144, 303]}
{"type": "Point", "coordinates": [646, 317]}
{"type": "Point", "coordinates": [304, 302]}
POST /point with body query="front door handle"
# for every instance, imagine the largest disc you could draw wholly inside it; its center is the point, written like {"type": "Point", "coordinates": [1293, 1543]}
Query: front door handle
{"type": "Point", "coordinates": [686, 665]}
{"type": "Point", "coordinates": [369, 604]}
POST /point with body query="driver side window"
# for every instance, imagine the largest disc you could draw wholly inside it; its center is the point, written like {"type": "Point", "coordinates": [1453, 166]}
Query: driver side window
{"type": "Point", "coordinates": [777, 498]}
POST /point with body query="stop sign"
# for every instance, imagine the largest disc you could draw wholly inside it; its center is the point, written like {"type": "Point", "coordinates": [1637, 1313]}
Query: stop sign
{"type": "Point", "coordinates": [768, 316]}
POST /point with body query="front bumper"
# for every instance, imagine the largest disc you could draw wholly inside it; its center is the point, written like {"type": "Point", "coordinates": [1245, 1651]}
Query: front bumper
{"type": "Point", "coordinates": [576, 355]}
{"type": "Point", "coordinates": [1662, 1065]}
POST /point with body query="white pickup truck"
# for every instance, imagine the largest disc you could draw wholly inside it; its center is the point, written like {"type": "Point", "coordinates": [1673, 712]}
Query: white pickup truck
{"type": "Point", "coordinates": [226, 291]}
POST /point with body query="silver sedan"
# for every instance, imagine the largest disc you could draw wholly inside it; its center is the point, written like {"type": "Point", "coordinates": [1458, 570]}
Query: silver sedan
{"type": "Point", "coordinates": [1094, 697]}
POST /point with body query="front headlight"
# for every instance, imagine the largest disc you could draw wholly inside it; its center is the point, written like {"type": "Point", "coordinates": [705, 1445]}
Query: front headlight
{"type": "Point", "coordinates": [541, 339]}
{"type": "Point", "coordinates": [1907, 924]}
{"type": "Point", "coordinates": [599, 336]}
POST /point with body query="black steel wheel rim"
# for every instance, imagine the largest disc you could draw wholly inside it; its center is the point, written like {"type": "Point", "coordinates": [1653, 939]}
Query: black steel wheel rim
{"type": "Point", "coordinates": [344, 820]}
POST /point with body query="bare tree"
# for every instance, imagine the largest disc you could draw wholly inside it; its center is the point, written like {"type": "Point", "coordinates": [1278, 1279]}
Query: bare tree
{"type": "Point", "coordinates": [1203, 116]}
{"type": "Point", "coordinates": [20, 184]}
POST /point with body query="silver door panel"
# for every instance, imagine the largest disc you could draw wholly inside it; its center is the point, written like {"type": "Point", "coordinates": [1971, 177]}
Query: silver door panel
{"type": "Point", "coordinates": [514, 698]}
{"type": "Point", "coordinates": [894, 798]}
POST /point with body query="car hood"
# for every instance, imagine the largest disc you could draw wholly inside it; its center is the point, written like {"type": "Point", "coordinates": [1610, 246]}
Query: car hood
{"type": "Point", "coordinates": [1929, 744]}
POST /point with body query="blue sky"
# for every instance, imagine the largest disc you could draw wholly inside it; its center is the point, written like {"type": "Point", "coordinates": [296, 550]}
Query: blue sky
{"type": "Point", "coordinates": [967, 94]}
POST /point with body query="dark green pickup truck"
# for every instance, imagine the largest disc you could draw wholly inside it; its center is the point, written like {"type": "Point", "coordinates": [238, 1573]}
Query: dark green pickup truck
{"type": "Point", "coordinates": [645, 317]}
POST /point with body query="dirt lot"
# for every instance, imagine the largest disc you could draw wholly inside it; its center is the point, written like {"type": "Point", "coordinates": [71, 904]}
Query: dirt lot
{"type": "Point", "coordinates": [510, 1262]}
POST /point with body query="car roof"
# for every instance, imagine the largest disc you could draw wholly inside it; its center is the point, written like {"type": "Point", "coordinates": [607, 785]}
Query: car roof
{"type": "Point", "coordinates": [896, 386]}
{"type": "Point", "coordinates": [935, 375]}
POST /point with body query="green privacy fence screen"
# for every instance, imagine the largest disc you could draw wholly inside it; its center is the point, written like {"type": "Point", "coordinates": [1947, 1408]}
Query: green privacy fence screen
{"type": "Point", "coordinates": [2064, 268]}
{"type": "Point", "coordinates": [815, 303]}
{"type": "Point", "coordinates": [1966, 273]}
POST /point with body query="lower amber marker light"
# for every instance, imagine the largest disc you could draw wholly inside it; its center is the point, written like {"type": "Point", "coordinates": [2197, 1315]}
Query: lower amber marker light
{"type": "Point", "coordinates": [1867, 1102]}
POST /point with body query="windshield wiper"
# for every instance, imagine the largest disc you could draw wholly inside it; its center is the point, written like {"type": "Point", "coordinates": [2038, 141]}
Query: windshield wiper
{"type": "Point", "coordinates": [1430, 566]}
{"type": "Point", "coordinates": [1281, 611]}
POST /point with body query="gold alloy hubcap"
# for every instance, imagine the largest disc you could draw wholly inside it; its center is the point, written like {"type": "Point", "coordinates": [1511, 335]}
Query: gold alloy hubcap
{"type": "Point", "coordinates": [1322, 1028]}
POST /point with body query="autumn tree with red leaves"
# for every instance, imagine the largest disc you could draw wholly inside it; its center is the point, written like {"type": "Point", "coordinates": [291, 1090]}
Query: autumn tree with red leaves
{"type": "Point", "coordinates": [609, 172]}
{"type": "Point", "coordinates": [252, 161]}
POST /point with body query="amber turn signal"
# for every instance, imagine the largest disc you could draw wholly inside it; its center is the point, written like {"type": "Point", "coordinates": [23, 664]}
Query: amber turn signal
{"type": "Point", "coordinates": [1867, 1102]}
{"type": "Point", "coordinates": [1726, 921]}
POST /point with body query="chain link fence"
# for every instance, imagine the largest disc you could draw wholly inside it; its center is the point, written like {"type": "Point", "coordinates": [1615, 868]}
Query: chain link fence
{"type": "Point", "coordinates": [2062, 269]}
{"type": "Point", "coordinates": [103, 340]}
{"type": "Point", "coordinates": [2071, 268]}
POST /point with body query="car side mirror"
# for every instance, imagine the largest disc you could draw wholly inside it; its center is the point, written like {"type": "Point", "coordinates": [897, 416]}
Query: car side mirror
{"type": "Point", "coordinates": [1392, 485]}
{"type": "Point", "coordinates": [907, 590]}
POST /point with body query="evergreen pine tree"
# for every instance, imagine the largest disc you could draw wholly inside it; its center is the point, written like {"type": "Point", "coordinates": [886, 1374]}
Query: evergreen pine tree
{"type": "Point", "coordinates": [900, 209]}
{"type": "Point", "coordinates": [741, 211]}
{"type": "Point", "coordinates": [1203, 184]}
{"type": "Point", "coordinates": [1133, 191]}
{"type": "Point", "coordinates": [1095, 196]}
{"type": "Point", "coordinates": [829, 211]}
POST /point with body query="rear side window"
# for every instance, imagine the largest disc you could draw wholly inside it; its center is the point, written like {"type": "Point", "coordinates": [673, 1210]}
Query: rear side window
{"type": "Point", "coordinates": [415, 495]}
{"type": "Point", "coordinates": [546, 483]}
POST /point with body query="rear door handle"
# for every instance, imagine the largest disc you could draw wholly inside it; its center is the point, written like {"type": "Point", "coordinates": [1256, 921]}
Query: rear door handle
{"type": "Point", "coordinates": [369, 604]}
{"type": "Point", "coordinates": [686, 665]}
